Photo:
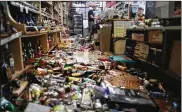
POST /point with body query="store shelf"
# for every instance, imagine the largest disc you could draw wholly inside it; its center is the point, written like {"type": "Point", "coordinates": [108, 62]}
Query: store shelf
{"type": "Point", "coordinates": [4, 35]}
{"type": "Point", "coordinates": [120, 20]}
{"type": "Point", "coordinates": [155, 28]}
{"type": "Point", "coordinates": [143, 61]}
{"type": "Point", "coordinates": [25, 4]}
{"type": "Point", "coordinates": [52, 31]}
{"type": "Point", "coordinates": [29, 5]}
{"type": "Point", "coordinates": [33, 35]}
{"type": "Point", "coordinates": [172, 75]}
{"type": "Point", "coordinates": [23, 85]}
{"type": "Point", "coordinates": [18, 73]}
{"type": "Point", "coordinates": [8, 39]}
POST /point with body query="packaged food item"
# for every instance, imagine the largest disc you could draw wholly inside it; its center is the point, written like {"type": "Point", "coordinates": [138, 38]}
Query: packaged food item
{"type": "Point", "coordinates": [76, 74]}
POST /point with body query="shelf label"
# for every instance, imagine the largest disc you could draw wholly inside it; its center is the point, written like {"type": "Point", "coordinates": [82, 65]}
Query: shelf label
{"type": "Point", "coordinates": [120, 28]}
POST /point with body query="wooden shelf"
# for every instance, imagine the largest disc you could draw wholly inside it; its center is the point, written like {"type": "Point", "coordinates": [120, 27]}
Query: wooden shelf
{"type": "Point", "coordinates": [23, 85]}
{"type": "Point", "coordinates": [121, 19]}
{"type": "Point", "coordinates": [53, 31]}
{"type": "Point", "coordinates": [52, 48]}
{"type": "Point", "coordinates": [33, 35]}
{"type": "Point", "coordinates": [143, 61]}
{"type": "Point", "coordinates": [172, 75]}
{"type": "Point", "coordinates": [155, 28]}
{"type": "Point", "coordinates": [145, 42]}
{"type": "Point", "coordinates": [20, 72]}
{"type": "Point", "coordinates": [8, 39]}
{"type": "Point", "coordinates": [4, 35]}
{"type": "Point", "coordinates": [29, 5]}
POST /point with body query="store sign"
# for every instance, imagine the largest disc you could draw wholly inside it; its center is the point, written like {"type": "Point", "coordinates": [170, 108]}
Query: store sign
{"type": "Point", "coordinates": [90, 4]}
{"type": "Point", "coordinates": [120, 28]}
{"type": "Point", "coordinates": [109, 4]}
{"type": "Point", "coordinates": [118, 31]}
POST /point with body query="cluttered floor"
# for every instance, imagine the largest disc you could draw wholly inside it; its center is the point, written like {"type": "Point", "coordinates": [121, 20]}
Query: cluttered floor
{"type": "Point", "coordinates": [77, 78]}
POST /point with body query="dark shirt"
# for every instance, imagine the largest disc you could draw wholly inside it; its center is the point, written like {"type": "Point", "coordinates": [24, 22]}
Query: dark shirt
{"type": "Point", "coordinates": [90, 12]}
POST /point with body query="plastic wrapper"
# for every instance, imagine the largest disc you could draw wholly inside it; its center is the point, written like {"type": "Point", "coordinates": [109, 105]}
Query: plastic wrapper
{"type": "Point", "coordinates": [86, 99]}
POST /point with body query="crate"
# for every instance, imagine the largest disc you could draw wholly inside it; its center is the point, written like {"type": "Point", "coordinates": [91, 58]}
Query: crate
{"type": "Point", "coordinates": [155, 37]}
{"type": "Point", "coordinates": [137, 37]}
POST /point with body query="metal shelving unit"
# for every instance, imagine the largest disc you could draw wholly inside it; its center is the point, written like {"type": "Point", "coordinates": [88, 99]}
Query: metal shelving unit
{"type": "Point", "coordinates": [78, 24]}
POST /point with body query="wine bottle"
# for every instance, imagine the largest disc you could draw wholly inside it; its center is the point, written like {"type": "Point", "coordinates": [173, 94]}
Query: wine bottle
{"type": "Point", "coordinates": [12, 63]}
{"type": "Point", "coordinates": [23, 53]}
{"type": "Point", "coordinates": [32, 50]}
{"type": "Point", "coordinates": [50, 41]}
{"type": "Point", "coordinates": [39, 48]}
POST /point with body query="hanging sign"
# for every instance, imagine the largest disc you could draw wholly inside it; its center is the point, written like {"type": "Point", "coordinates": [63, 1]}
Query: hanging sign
{"type": "Point", "coordinates": [118, 31]}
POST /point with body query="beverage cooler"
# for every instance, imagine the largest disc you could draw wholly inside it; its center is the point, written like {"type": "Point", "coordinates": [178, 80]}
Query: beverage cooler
{"type": "Point", "coordinates": [78, 24]}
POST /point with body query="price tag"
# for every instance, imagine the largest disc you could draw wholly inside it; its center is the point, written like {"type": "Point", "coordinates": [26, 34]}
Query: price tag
{"type": "Point", "coordinates": [26, 9]}
{"type": "Point", "coordinates": [21, 8]}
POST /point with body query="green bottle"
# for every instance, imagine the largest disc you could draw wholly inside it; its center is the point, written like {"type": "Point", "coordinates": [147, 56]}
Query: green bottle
{"type": "Point", "coordinates": [6, 105]}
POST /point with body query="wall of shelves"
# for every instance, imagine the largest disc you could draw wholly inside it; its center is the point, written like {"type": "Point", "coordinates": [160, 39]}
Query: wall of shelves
{"type": "Point", "coordinates": [161, 69]}
{"type": "Point", "coordinates": [15, 40]}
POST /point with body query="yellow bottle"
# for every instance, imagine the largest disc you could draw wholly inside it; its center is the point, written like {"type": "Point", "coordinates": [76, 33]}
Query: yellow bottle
{"type": "Point", "coordinates": [73, 79]}
{"type": "Point", "coordinates": [76, 74]}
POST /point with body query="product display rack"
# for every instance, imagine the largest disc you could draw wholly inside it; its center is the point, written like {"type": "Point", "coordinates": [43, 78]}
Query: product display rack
{"type": "Point", "coordinates": [78, 24]}
{"type": "Point", "coordinates": [161, 69]}
{"type": "Point", "coordinates": [16, 39]}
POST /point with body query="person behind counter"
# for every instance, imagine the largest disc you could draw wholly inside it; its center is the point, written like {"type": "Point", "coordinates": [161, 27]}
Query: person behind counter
{"type": "Point", "coordinates": [91, 19]}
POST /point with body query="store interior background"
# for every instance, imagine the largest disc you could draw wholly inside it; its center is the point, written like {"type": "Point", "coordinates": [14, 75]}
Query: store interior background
{"type": "Point", "coordinates": [161, 9]}
{"type": "Point", "coordinates": [137, 46]}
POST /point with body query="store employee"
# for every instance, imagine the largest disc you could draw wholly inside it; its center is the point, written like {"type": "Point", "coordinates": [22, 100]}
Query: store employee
{"type": "Point", "coordinates": [91, 20]}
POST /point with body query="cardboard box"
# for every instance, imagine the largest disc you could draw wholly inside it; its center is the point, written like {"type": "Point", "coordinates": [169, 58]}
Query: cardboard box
{"type": "Point", "coordinates": [137, 37]}
{"type": "Point", "coordinates": [155, 37]}
{"type": "Point", "coordinates": [105, 38]}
